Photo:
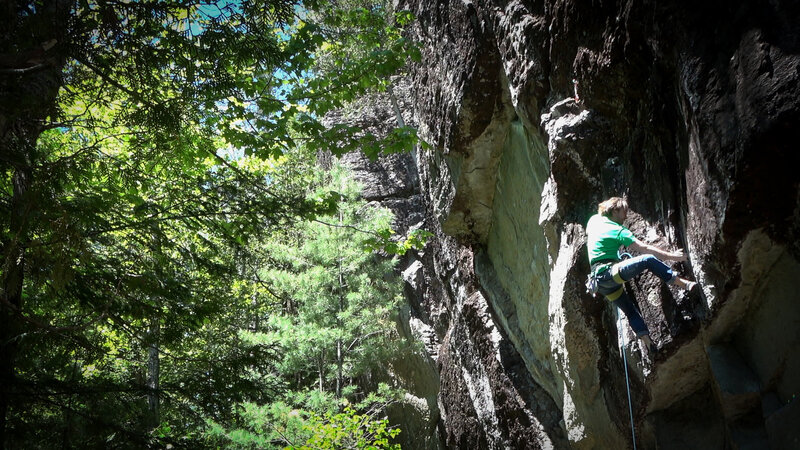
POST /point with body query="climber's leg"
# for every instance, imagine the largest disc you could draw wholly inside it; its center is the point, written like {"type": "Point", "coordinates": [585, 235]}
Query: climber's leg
{"type": "Point", "coordinates": [624, 303]}
{"type": "Point", "coordinates": [614, 292]}
{"type": "Point", "coordinates": [629, 268]}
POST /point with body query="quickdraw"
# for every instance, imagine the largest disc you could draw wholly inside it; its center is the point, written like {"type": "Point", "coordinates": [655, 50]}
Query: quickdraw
{"type": "Point", "coordinates": [591, 285]}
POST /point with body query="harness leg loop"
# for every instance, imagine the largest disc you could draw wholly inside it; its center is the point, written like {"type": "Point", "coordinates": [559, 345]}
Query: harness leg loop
{"type": "Point", "coordinates": [615, 274]}
{"type": "Point", "coordinates": [615, 295]}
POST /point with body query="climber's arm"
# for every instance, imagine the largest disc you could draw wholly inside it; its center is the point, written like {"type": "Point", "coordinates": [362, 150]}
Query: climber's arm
{"type": "Point", "coordinates": [641, 247]}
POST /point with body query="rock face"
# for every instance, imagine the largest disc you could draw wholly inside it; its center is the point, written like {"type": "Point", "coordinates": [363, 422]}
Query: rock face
{"type": "Point", "coordinates": [691, 112]}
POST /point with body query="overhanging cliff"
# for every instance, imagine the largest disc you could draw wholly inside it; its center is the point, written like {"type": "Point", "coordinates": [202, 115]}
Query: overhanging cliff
{"type": "Point", "coordinates": [690, 111]}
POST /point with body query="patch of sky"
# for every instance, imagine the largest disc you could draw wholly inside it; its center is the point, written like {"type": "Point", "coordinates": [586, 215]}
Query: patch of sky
{"type": "Point", "coordinates": [199, 17]}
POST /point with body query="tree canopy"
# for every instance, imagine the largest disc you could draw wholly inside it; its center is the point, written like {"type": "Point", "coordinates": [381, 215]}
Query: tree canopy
{"type": "Point", "coordinates": [149, 152]}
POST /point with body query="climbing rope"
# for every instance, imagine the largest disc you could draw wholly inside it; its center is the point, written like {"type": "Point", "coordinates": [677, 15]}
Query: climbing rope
{"type": "Point", "coordinates": [627, 380]}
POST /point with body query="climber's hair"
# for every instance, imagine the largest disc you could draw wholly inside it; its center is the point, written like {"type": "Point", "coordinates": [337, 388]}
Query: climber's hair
{"type": "Point", "coordinates": [613, 204]}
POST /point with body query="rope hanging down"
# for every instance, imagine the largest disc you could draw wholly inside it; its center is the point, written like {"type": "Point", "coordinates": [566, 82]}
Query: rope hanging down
{"type": "Point", "coordinates": [627, 380]}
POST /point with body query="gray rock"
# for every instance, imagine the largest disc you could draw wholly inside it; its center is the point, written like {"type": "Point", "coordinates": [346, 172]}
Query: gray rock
{"type": "Point", "coordinates": [737, 386]}
{"type": "Point", "coordinates": [782, 428]}
{"type": "Point", "coordinates": [689, 112]}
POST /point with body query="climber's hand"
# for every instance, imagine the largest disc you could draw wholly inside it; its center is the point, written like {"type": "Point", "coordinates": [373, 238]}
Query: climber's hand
{"type": "Point", "coordinates": [678, 255]}
{"type": "Point", "coordinates": [641, 247]}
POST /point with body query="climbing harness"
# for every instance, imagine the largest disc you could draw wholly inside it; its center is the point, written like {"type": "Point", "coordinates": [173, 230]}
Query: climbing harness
{"type": "Point", "coordinates": [617, 279]}
{"type": "Point", "coordinates": [615, 274]}
{"type": "Point", "coordinates": [591, 280]}
{"type": "Point", "coordinates": [592, 285]}
{"type": "Point", "coordinates": [627, 381]}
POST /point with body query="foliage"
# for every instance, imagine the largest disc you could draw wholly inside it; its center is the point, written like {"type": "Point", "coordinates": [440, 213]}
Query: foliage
{"type": "Point", "coordinates": [332, 331]}
{"type": "Point", "coordinates": [279, 425]}
{"type": "Point", "coordinates": [149, 167]}
{"type": "Point", "coordinates": [385, 240]}
{"type": "Point", "coordinates": [169, 250]}
{"type": "Point", "coordinates": [338, 295]}
{"type": "Point", "coordinates": [349, 429]}
{"type": "Point", "coordinates": [361, 48]}
{"type": "Point", "coordinates": [361, 34]}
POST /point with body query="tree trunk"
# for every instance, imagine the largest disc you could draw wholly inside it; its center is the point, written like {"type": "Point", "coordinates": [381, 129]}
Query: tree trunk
{"type": "Point", "coordinates": [321, 369]}
{"type": "Point", "coordinates": [13, 277]}
{"type": "Point", "coordinates": [339, 325]}
{"type": "Point", "coordinates": [338, 368]}
{"type": "Point", "coordinates": [30, 78]}
{"type": "Point", "coordinates": [153, 369]}
{"type": "Point", "coordinates": [399, 116]}
{"type": "Point", "coordinates": [395, 105]}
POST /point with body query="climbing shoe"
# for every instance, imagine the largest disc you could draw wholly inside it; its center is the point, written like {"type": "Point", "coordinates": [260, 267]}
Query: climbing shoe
{"type": "Point", "coordinates": [649, 345]}
{"type": "Point", "coordinates": [685, 284]}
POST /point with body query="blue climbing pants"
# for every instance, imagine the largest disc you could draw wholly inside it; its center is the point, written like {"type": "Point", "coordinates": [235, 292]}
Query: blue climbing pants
{"type": "Point", "coordinates": [610, 284]}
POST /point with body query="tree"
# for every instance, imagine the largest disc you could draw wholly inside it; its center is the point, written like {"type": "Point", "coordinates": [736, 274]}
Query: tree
{"type": "Point", "coordinates": [363, 32]}
{"type": "Point", "coordinates": [135, 140]}
{"type": "Point", "coordinates": [341, 294]}
{"type": "Point", "coordinates": [333, 329]}
{"type": "Point", "coordinates": [175, 259]}
{"type": "Point", "coordinates": [139, 60]}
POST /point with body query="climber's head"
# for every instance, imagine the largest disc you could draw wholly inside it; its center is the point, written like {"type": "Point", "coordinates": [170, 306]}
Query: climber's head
{"type": "Point", "coordinates": [615, 208]}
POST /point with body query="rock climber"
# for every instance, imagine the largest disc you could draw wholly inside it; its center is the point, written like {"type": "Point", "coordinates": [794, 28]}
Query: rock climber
{"type": "Point", "coordinates": [606, 236]}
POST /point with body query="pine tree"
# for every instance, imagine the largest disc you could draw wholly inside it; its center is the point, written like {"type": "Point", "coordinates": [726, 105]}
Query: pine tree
{"type": "Point", "coordinates": [334, 329]}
